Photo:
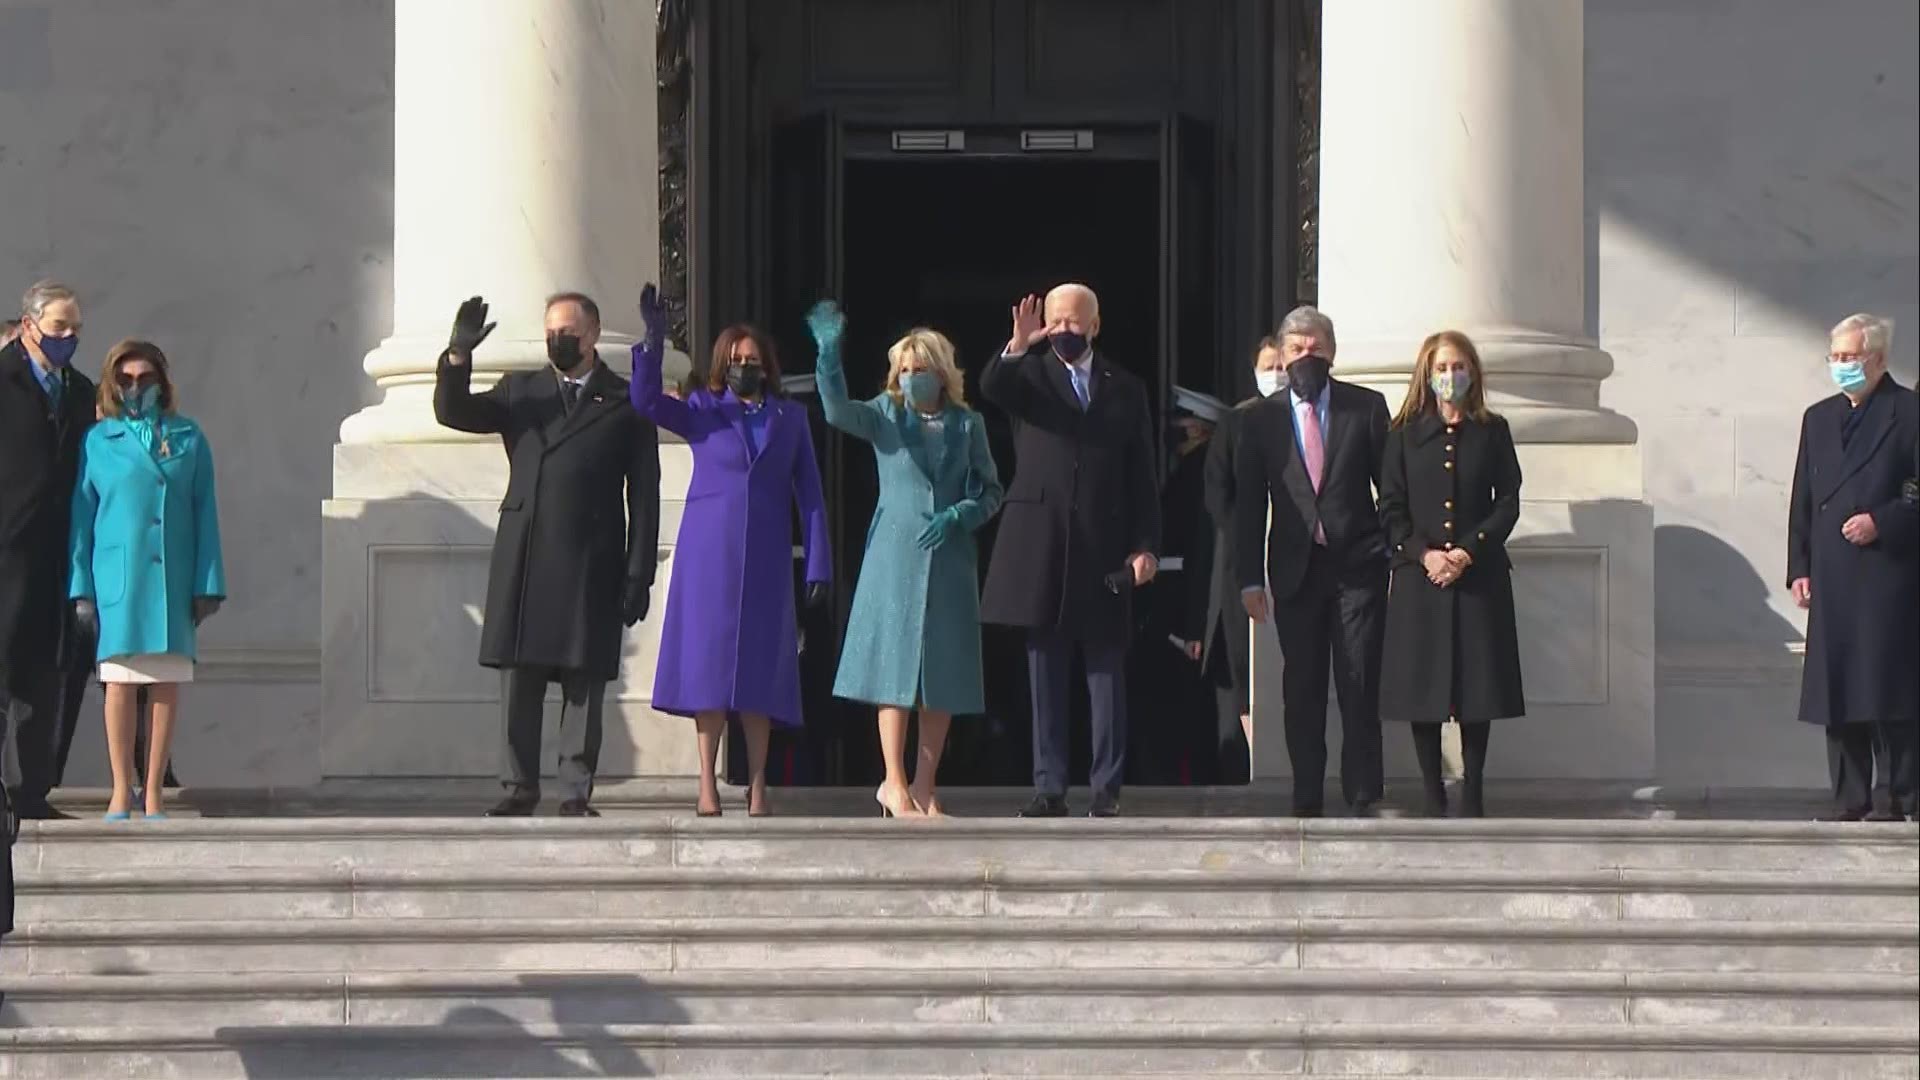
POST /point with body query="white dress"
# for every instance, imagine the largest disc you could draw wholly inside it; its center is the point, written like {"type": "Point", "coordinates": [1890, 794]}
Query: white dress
{"type": "Point", "coordinates": [147, 668]}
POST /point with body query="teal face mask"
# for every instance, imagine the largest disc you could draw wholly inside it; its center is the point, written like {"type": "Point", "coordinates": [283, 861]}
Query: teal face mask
{"type": "Point", "coordinates": [922, 388]}
{"type": "Point", "coordinates": [142, 403]}
{"type": "Point", "coordinates": [1849, 375]}
{"type": "Point", "coordinates": [1451, 386]}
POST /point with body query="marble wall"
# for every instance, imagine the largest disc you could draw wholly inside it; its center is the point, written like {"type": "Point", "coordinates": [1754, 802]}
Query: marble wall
{"type": "Point", "coordinates": [1751, 172]}
{"type": "Point", "coordinates": [217, 176]}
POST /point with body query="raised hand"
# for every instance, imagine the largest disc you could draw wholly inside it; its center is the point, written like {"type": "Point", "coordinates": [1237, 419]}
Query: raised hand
{"type": "Point", "coordinates": [470, 328]}
{"type": "Point", "coordinates": [1029, 326]}
{"type": "Point", "coordinates": [827, 323]}
{"type": "Point", "coordinates": [653, 315]}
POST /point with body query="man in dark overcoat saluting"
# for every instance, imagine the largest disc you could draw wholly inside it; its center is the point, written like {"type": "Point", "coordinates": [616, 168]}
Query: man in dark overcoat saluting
{"type": "Point", "coordinates": [577, 543]}
{"type": "Point", "coordinates": [1853, 560]}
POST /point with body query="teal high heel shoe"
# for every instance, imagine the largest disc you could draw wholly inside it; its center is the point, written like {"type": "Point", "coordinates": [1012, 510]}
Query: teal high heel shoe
{"type": "Point", "coordinates": [117, 815]}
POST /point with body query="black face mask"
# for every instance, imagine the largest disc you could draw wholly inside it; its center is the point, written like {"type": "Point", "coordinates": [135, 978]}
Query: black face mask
{"type": "Point", "coordinates": [1307, 376]}
{"type": "Point", "coordinates": [563, 350]}
{"type": "Point", "coordinates": [746, 380]}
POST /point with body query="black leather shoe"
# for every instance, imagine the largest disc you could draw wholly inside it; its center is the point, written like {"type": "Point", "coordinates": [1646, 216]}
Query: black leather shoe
{"type": "Point", "coordinates": [1363, 810]}
{"type": "Point", "coordinates": [1105, 806]}
{"type": "Point", "coordinates": [518, 804]}
{"type": "Point", "coordinates": [1305, 812]}
{"type": "Point", "coordinates": [577, 808]}
{"type": "Point", "coordinates": [1435, 804]}
{"type": "Point", "coordinates": [1044, 806]}
{"type": "Point", "coordinates": [1845, 815]}
{"type": "Point", "coordinates": [41, 811]}
{"type": "Point", "coordinates": [1885, 815]}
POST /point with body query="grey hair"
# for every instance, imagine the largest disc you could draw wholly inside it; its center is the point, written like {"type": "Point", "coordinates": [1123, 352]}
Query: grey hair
{"type": "Point", "coordinates": [1074, 288]}
{"type": "Point", "coordinates": [41, 293]}
{"type": "Point", "coordinates": [1307, 319]}
{"type": "Point", "coordinates": [1876, 332]}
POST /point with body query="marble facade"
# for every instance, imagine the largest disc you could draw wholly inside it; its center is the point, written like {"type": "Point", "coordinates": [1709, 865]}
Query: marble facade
{"type": "Point", "coordinates": [292, 197]}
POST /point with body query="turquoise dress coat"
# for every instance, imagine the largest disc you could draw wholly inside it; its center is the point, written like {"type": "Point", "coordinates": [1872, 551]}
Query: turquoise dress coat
{"type": "Point", "coordinates": [913, 636]}
{"type": "Point", "coordinates": [146, 535]}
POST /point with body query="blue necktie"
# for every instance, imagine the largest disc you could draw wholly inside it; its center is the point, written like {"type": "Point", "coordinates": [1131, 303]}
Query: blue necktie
{"type": "Point", "coordinates": [1079, 387]}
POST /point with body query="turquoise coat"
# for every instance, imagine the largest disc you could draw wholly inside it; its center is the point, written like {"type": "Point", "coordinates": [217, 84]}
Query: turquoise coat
{"type": "Point", "coordinates": [146, 536]}
{"type": "Point", "coordinates": [913, 637]}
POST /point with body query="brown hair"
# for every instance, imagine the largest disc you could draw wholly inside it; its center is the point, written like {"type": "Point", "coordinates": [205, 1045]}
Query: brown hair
{"type": "Point", "coordinates": [108, 398]}
{"type": "Point", "coordinates": [723, 356]}
{"type": "Point", "coordinates": [1420, 400]}
{"type": "Point", "coordinates": [585, 302]}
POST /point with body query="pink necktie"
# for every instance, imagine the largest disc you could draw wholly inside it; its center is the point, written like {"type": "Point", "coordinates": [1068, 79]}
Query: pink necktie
{"type": "Point", "coordinates": [1314, 449]}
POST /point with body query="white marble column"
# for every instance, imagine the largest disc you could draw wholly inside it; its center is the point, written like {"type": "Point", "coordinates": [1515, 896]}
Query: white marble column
{"type": "Point", "coordinates": [1452, 195]}
{"type": "Point", "coordinates": [525, 163]}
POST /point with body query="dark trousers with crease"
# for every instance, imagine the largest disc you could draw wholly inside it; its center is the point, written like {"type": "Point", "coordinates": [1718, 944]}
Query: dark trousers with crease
{"type": "Point", "coordinates": [523, 697]}
{"type": "Point", "coordinates": [1050, 674]}
{"type": "Point", "coordinates": [1855, 751]}
{"type": "Point", "coordinates": [32, 715]}
{"type": "Point", "coordinates": [1337, 616]}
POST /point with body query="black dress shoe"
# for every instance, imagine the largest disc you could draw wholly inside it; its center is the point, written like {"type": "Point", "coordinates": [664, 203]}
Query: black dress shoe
{"type": "Point", "coordinates": [1885, 815]}
{"type": "Point", "coordinates": [41, 811]}
{"type": "Point", "coordinates": [515, 805]}
{"type": "Point", "coordinates": [1435, 803]}
{"type": "Point", "coordinates": [1044, 806]}
{"type": "Point", "coordinates": [1105, 806]}
{"type": "Point", "coordinates": [1305, 812]}
{"type": "Point", "coordinates": [577, 808]}
{"type": "Point", "coordinates": [1845, 815]}
{"type": "Point", "coordinates": [1363, 810]}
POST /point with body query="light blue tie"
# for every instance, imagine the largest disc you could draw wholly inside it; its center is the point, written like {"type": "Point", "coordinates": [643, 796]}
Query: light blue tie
{"type": "Point", "coordinates": [1080, 387]}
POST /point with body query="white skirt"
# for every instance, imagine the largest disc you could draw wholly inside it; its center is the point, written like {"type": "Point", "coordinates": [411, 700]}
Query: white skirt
{"type": "Point", "coordinates": [147, 668]}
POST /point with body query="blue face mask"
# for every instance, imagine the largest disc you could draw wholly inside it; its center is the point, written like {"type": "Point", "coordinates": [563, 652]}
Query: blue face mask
{"type": "Point", "coordinates": [1849, 375]}
{"type": "Point", "coordinates": [60, 350]}
{"type": "Point", "coordinates": [1451, 386]}
{"type": "Point", "coordinates": [922, 388]}
{"type": "Point", "coordinates": [142, 403]}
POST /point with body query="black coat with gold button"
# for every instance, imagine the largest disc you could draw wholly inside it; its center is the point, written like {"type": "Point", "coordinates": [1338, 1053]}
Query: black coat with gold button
{"type": "Point", "coordinates": [1450, 651]}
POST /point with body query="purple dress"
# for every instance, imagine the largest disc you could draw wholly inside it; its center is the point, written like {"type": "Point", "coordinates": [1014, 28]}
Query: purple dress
{"type": "Point", "coordinates": [729, 639]}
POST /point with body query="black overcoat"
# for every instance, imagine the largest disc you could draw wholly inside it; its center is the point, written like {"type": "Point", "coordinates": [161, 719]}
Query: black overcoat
{"type": "Point", "coordinates": [1452, 651]}
{"type": "Point", "coordinates": [1227, 623]}
{"type": "Point", "coordinates": [580, 519]}
{"type": "Point", "coordinates": [39, 459]}
{"type": "Point", "coordinates": [1862, 633]}
{"type": "Point", "coordinates": [1083, 499]}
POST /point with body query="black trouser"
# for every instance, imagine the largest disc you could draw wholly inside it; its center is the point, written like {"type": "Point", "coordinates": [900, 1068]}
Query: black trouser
{"type": "Point", "coordinates": [32, 728]}
{"type": "Point", "coordinates": [1336, 615]}
{"type": "Point", "coordinates": [1227, 673]}
{"type": "Point", "coordinates": [1854, 751]}
{"type": "Point", "coordinates": [76, 674]}
{"type": "Point", "coordinates": [523, 696]}
{"type": "Point", "coordinates": [1473, 752]}
{"type": "Point", "coordinates": [1050, 670]}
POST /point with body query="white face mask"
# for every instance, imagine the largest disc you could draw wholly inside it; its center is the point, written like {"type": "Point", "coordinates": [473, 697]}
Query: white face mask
{"type": "Point", "coordinates": [1269, 382]}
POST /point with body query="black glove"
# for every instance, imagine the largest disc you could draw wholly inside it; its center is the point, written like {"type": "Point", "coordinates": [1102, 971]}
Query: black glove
{"type": "Point", "coordinates": [639, 598]}
{"type": "Point", "coordinates": [470, 327]}
{"type": "Point", "coordinates": [653, 315]}
{"type": "Point", "coordinates": [816, 594]}
{"type": "Point", "coordinates": [86, 617]}
{"type": "Point", "coordinates": [204, 606]}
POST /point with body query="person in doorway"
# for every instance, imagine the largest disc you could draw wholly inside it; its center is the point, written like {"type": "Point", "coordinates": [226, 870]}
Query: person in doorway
{"type": "Point", "coordinates": [1853, 561]}
{"type": "Point", "coordinates": [46, 408]}
{"type": "Point", "coordinates": [1450, 497]}
{"type": "Point", "coordinates": [730, 645]}
{"type": "Point", "coordinates": [146, 566]}
{"type": "Point", "coordinates": [1078, 530]}
{"type": "Point", "coordinates": [577, 544]}
{"type": "Point", "coordinates": [913, 635]}
{"type": "Point", "coordinates": [1313, 456]}
{"type": "Point", "coordinates": [1227, 657]}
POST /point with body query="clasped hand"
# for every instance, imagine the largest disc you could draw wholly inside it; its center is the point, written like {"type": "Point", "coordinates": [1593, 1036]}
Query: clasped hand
{"type": "Point", "coordinates": [1445, 567]}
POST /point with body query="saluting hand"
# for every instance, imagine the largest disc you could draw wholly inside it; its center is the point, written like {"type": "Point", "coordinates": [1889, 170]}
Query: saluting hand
{"type": "Point", "coordinates": [470, 328]}
{"type": "Point", "coordinates": [653, 316]}
{"type": "Point", "coordinates": [1029, 326]}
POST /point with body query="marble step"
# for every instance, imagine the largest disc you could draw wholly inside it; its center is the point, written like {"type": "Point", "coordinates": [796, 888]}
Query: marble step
{"type": "Point", "coordinates": [958, 996]}
{"type": "Point", "coordinates": [803, 944]}
{"type": "Point", "coordinates": [1813, 849]}
{"type": "Point", "coordinates": [201, 893]}
{"type": "Point", "coordinates": [479, 1044]}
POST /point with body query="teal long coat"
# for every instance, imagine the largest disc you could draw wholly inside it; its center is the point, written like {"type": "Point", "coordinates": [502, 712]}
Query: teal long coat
{"type": "Point", "coordinates": [146, 536]}
{"type": "Point", "coordinates": [913, 637]}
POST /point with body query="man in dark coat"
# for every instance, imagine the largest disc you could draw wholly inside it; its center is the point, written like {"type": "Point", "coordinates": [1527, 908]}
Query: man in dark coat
{"type": "Point", "coordinates": [577, 543]}
{"type": "Point", "coordinates": [46, 408]}
{"type": "Point", "coordinates": [1313, 454]}
{"type": "Point", "coordinates": [1853, 560]}
{"type": "Point", "coordinates": [1077, 531]}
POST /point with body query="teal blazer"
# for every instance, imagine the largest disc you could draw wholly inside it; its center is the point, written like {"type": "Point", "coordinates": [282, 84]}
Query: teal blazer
{"type": "Point", "coordinates": [146, 536]}
{"type": "Point", "coordinates": [913, 635]}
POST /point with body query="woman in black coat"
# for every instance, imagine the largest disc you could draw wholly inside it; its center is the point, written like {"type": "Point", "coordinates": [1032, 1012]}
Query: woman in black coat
{"type": "Point", "coordinates": [1450, 496]}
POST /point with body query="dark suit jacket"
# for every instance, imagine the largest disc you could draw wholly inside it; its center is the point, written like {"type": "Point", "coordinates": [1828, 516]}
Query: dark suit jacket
{"type": "Point", "coordinates": [1084, 497]}
{"type": "Point", "coordinates": [39, 459]}
{"type": "Point", "coordinates": [1862, 635]}
{"type": "Point", "coordinates": [581, 517]}
{"type": "Point", "coordinates": [1223, 590]}
{"type": "Point", "coordinates": [1268, 460]}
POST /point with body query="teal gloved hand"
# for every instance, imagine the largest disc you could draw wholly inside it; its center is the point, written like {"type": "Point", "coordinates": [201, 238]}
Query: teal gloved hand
{"type": "Point", "coordinates": [828, 324]}
{"type": "Point", "coordinates": [944, 527]}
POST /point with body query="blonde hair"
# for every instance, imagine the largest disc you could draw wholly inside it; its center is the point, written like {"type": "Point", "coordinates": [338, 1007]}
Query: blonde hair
{"type": "Point", "coordinates": [932, 348]}
{"type": "Point", "coordinates": [1420, 399]}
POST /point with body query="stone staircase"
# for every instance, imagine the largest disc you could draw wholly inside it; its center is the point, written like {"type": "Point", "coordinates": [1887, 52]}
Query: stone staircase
{"type": "Point", "coordinates": [793, 947]}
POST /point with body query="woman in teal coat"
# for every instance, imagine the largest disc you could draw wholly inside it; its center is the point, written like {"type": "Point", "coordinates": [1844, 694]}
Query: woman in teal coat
{"type": "Point", "coordinates": [146, 556]}
{"type": "Point", "coordinates": [913, 637]}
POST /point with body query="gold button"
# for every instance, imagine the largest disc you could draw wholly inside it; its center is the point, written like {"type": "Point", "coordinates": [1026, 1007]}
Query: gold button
{"type": "Point", "coordinates": [1449, 464]}
{"type": "Point", "coordinates": [1450, 429]}
{"type": "Point", "coordinates": [1449, 546]}
{"type": "Point", "coordinates": [1449, 504]}
{"type": "Point", "coordinates": [1483, 536]}
{"type": "Point", "coordinates": [1449, 448]}
{"type": "Point", "coordinates": [1447, 526]}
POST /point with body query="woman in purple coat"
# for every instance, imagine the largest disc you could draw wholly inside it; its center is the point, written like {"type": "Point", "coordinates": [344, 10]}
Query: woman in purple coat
{"type": "Point", "coordinates": [729, 643]}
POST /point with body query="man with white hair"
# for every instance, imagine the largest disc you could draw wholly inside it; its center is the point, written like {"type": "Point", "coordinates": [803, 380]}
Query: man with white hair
{"type": "Point", "coordinates": [1078, 530]}
{"type": "Point", "coordinates": [46, 408]}
{"type": "Point", "coordinates": [1311, 453]}
{"type": "Point", "coordinates": [1853, 561]}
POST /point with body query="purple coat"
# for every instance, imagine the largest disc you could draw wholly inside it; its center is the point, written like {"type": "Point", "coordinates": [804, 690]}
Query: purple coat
{"type": "Point", "coordinates": [729, 640]}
